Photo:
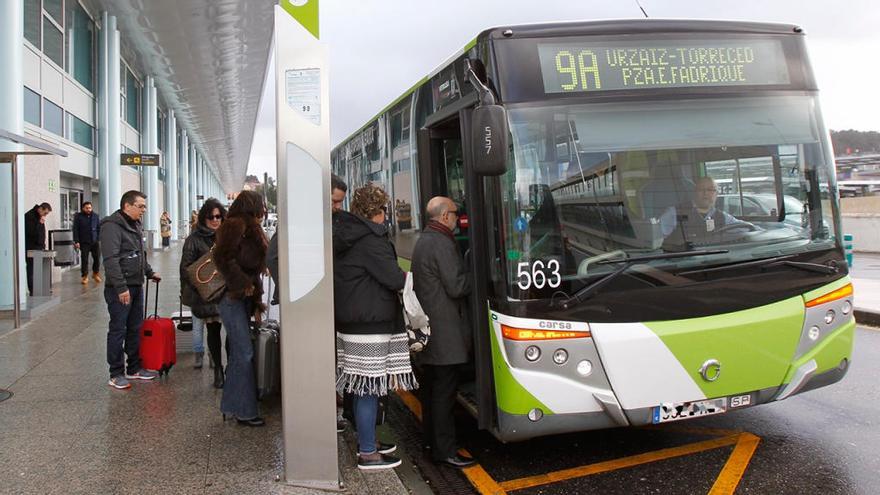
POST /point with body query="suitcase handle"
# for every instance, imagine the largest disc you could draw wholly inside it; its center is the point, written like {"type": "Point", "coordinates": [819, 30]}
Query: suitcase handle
{"type": "Point", "coordinates": [147, 300]}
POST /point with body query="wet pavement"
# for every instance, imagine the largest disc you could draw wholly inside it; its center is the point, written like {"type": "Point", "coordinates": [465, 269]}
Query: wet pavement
{"type": "Point", "coordinates": [822, 441]}
{"type": "Point", "coordinates": [65, 431]}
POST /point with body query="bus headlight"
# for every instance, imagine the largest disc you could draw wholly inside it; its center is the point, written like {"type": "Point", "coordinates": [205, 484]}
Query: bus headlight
{"type": "Point", "coordinates": [846, 308]}
{"type": "Point", "coordinates": [533, 353]}
{"type": "Point", "coordinates": [829, 317]}
{"type": "Point", "coordinates": [560, 356]}
{"type": "Point", "coordinates": [584, 368]}
{"type": "Point", "coordinates": [813, 333]}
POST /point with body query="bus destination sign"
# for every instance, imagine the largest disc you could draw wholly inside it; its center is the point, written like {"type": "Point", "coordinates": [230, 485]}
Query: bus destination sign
{"type": "Point", "coordinates": [650, 64]}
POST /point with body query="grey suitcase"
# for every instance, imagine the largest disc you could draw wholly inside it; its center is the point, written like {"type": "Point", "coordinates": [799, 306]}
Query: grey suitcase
{"type": "Point", "coordinates": [267, 357]}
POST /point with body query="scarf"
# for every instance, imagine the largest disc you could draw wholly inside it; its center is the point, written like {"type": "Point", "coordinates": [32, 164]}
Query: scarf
{"type": "Point", "coordinates": [439, 227]}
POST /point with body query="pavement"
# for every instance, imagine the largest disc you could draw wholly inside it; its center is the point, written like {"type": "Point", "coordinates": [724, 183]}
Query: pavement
{"type": "Point", "coordinates": [65, 431]}
{"type": "Point", "coordinates": [865, 274]}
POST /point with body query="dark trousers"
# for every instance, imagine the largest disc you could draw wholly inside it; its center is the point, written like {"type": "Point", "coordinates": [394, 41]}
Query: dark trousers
{"type": "Point", "coordinates": [123, 336]}
{"type": "Point", "coordinates": [437, 387]}
{"type": "Point", "coordinates": [85, 250]}
{"type": "Point", "coordinates": [214, 343]}
{"type": "Point", "coordinates": [29, 269]}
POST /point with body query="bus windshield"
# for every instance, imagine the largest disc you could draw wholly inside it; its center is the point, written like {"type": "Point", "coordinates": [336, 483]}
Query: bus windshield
{"type": "Point", "coordinates": [598, 182]}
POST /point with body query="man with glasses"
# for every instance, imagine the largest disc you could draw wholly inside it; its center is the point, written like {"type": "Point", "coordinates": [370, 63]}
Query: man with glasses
{"type": "Point", "coordinates": [442, 284]}
{"type": "Point", "coordinates": [125, 266]}
{"type": "Point", "coordinates": [698, 221]}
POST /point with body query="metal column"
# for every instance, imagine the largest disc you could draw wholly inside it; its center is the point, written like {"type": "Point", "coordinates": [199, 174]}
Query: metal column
{"type": "Point", "coordinates": [303, 151]}
{"type": "Point", "coordinates": [109, 172]}
{"type": "Point", "coordinates": [11, 120]}
{"type": "Point", "coordinates": [183, 192]}
{"type": "Point", "coordinates": [151, 174]}
{"type": "Point", "coordinates": [171, 184]}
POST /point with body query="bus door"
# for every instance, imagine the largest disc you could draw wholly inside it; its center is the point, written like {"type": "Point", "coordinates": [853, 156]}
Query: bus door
{"type": "Point", "coordinates": [447, 172]}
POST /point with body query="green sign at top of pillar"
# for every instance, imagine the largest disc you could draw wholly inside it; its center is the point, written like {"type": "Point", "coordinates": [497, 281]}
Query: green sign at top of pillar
{"type": "Point", "coordinates": [305, 12]}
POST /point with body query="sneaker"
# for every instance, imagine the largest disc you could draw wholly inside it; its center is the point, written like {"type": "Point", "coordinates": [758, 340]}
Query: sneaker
{"type": "Point", "coordinates": [142, 375]}
{"type": "Point", "coordinates": [119, 382]}
{"type": "Point", "coordinates": [97, 277]}
{"type": "Point", "coordinates": [85, 280]}
{"type": "Point", "coordinates": [381, 461]}
{"type": "Point", "coordinates": [340, 426]}
{"type": "Point", "coordinates": [384, 448]}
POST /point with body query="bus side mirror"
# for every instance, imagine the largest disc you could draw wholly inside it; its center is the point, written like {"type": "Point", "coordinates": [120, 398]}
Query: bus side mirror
{"type": "Point", "coordinates": [490, 140]}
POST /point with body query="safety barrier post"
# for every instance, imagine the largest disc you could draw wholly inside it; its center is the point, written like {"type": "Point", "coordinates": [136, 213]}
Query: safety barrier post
{"type": "Point", "coordinates": [848, 249]}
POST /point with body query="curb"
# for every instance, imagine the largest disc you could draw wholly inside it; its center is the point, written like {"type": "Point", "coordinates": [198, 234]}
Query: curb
{"type": "Point", "coordinates": [869, 318]}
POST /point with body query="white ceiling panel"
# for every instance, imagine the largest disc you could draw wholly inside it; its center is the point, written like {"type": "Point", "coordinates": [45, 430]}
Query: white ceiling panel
{"type": "Point", "coordinates": [209, 60]}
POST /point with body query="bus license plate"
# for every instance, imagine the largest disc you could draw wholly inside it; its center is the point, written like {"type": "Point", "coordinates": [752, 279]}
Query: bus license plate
{"type": "Point", "coordinates": [675, 411]}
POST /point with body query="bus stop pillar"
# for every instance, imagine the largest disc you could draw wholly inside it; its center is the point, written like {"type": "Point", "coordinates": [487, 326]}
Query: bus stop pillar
{"type": "Point", "coordinates": [305, 248]}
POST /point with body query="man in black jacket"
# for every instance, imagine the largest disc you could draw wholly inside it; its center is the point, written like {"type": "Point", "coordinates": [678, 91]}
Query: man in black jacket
{"type": "Point", "coordinates": [441, 282]}
{"type": "Point", "coordinates": [125, 266]}
{"type": "Point", "coordinates": [86, 232]}
{"type": "Point", "coordinates": [34, 237]}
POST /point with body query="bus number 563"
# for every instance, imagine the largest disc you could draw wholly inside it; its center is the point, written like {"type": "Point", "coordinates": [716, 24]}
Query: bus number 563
{"type": "Point", "coordinates": [535, 275]}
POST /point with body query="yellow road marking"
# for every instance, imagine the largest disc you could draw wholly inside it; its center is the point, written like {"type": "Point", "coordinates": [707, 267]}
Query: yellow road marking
{"type": "Point", "coordinates": [624, 462]}
{"type": "Point", "coordinates": [410, 401]}
{"type": "Point", "coordinates": [736, 465]}
{"type": "Point", "coordinates": [477, 476]}
{"type": "Point", "coordinates": [745, 446]}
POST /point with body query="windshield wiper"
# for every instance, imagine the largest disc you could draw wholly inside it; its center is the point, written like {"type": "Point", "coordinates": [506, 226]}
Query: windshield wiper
{"type": "Point", "coordinates": [628, 262]}
{"type": "Point", "coordinates": [775, 261]}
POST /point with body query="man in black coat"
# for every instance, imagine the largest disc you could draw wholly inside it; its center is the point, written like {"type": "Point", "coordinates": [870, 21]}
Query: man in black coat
{"type": "Point", "coordinates": [86, 232]}
{"type": "Point", "coordinates": [34, 237]}
{"type": "Point", "coordinates": [442, 284]}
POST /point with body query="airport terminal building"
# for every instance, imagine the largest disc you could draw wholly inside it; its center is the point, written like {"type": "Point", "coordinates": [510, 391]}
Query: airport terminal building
{"type": "Point", "coordinates": [102, 78]}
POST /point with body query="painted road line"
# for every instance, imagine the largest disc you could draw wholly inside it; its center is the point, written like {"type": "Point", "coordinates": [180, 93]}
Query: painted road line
{"type": "Point", "coordinates": [736, 465]}
{"type": "Point", "coordinates": [476, 475]}
{"type": "Point", "coordinates": [624, 462]}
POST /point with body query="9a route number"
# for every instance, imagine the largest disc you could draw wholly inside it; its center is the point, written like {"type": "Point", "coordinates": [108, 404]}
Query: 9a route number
{"type": "Point", "coordinates": [536, 276]}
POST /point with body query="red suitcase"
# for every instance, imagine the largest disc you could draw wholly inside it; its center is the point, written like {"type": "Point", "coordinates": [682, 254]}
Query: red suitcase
{"type": "Point", "coordinates": [158, 346]}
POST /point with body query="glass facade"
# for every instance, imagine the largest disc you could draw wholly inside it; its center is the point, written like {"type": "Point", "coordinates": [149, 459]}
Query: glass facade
{"type": "Point", "coordinates": [132, 100]}
{"type": "Point", "coordinates": [81, 133]}
{"type": "Point", "coordinates": [53, 41]}
{"type": "Point", "coordinates": [54, 8]}
{"type": "Point", "coordinates": [32, 19]}
{"type": "Point", "coordinates": [53, 117]}
{"type": "Point", "coordinates": [81, 32]}
{"type": "Point", "coordinates": [32, 107]}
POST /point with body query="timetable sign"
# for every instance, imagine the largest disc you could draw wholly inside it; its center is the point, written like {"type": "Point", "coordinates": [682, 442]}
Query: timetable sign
{"type": "Point", "coordinates": [574, 67]}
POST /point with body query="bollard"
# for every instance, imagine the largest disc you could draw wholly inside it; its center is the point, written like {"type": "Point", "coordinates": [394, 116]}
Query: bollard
{"type": "Point", "coordinates": [848, 249]}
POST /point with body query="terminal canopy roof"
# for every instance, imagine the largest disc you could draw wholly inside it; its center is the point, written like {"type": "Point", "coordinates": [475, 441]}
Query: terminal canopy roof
{"type": "Point", "coordinates": [209, 59]}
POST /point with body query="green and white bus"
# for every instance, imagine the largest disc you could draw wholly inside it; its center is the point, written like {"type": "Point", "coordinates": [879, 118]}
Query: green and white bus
{"type": "Point", "coordinates": [577, 151]}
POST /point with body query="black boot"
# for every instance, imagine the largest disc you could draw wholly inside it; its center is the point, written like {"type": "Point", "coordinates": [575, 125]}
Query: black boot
{"type": "Point", "coordinates": [219, 379]}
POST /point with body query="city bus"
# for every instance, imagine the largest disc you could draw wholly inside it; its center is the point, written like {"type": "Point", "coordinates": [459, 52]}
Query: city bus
{"type": "Point", "coordinates": [607, 293]}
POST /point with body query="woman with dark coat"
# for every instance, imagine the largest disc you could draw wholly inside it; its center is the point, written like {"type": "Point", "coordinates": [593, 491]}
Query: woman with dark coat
{"type": "Point", "coordinates": [240, 256]}
{"type": "Point", "coordinates": [371, 345]}
{"type": "Point", "coordinates": [204, 314]}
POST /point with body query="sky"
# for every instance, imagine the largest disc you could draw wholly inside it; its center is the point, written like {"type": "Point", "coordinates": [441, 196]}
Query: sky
{"type": "Point", "coordinates": [379, 48]}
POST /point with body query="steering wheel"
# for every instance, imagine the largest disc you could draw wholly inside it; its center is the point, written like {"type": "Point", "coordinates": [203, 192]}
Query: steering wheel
{"type": "Point", "coordinates": [739, 225]}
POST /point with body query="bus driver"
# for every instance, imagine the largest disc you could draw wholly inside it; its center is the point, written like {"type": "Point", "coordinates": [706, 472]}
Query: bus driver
{"type": "Point", "coordinates": [699, 220]}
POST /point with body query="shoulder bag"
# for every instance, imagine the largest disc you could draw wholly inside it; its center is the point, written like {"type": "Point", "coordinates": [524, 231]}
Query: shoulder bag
{"type": "Point", "coordinates": [205, 277]}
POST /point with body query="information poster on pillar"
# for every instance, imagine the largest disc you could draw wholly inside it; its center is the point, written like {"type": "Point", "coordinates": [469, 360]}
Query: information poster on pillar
{"type": "Point", "coordinates": [303, 90]}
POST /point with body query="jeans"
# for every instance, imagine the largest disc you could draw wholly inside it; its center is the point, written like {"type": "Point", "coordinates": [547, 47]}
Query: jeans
{"type": "Point", "coordinates": [93, 249]}
{"type": "Point", "coordinates": [123, 335]}
{"type": "Point", "coordinates": [365, 409]}
{"type": "Point", "coordinates": [240, 390]}
{"type": "Point", "coordinates": [198, 335]}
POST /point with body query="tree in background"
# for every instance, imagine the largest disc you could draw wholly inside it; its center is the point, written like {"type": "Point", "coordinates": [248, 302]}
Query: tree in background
{"type": "Point", "coordinates": [851, 142]}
